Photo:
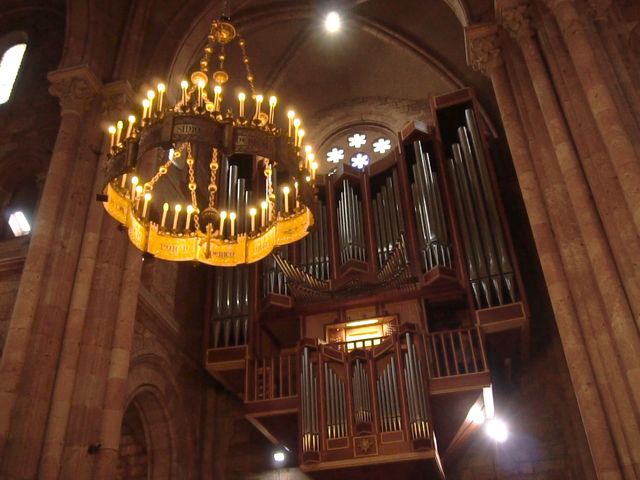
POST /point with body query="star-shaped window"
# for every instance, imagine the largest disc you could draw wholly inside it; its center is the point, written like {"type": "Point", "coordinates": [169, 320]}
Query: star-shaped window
{"type": "Point", "coordinates": [360, 160]}
{"type": "Point", "coordinates": [382, 145]}
{"type": "Point", "coordinates": [335, 155]}
{"type": "Point", "coordinates": [357, 140]}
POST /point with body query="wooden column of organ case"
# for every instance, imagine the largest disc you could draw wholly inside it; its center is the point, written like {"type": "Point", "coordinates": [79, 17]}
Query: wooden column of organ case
{"type": "Point", "coordinates": [367, 344]}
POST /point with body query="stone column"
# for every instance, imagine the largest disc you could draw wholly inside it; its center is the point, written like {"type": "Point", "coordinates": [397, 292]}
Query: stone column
{"type": "Point", "coordinates": [117, 96]}
{"type": "Point", "coordinates": [483, 54]}
{"type": "Point", "coordinates": [598, 92]}
{"type": "Point", "coordinates": [615, 328]}
{"type": "Point", "coordinates": [76, 88]}
{"type": "Point", "coordinates": [114, 398]}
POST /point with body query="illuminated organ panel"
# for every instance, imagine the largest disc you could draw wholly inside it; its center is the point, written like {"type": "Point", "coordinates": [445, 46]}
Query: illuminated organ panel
{"type": "Point", "coordinates": [352, 334]}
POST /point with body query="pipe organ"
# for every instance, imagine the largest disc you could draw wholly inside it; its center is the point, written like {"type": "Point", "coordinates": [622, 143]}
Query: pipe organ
{"type": "Point", "coordinates": [371, 334]}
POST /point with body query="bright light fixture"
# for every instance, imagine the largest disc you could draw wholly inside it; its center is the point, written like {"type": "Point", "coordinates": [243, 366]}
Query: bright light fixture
{"type": "Point", "coordinates": [360, 323]}
{"type": "Point", "coordinates": [19, 224]}
{"type": "Point", "coordinates": [497, 430]}
{"type": "Point", "coordinates": [332, 22]}
{"type": "Point", "coordinates": [279, 456]}
{"type": "Point", "coordinates": [9, 66]}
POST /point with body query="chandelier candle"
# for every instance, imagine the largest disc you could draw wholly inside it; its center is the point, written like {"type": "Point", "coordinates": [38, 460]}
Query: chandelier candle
{"type": "Point", "coordinates": [145, 108]}
{"type": "Point", "coordinates": [132, 120]}
{"type": "Point", "coordinates": [134, 184]}
{"type": "Point", "coordinates": [263, 206]}
{"type": "Point", "coordinates": [286, 191]}
{"type": "Point", "coordinates": [112, 133]}
{"type": "Point", "coordinates": [252, 214]}
{"type": "Point", "coordinates": [223, 217]}
{"type": "Point", "coordinates": [232, 221]}
{"type": "Point", "coordinates": [259, 99]}
{"type": "Point", "coordinates": [272, 108]}
{"type": "Point", "coordinates": [290, 116]}
{"type": "Point", "coordinates": [296, 126]}
{"type": "Point", "coordinates": [189, 213]}
{"type": "Point", "coordinates": [161, 90]}
{"type": "Point", "coordinates": [241, 98]}
{"type": "Point", "coordinates": [151, 95]}
{"type": "Point", "coordinates": [165, 209]}
{"type": "Point", "coordinates": [184, 85]}
{"type": "Point", "coordinates": [119, 126]}
{"type": "Point", "coordinates": [217, 90]}
{"type": "Point", "coordinates": [301, 134]}
{"type": "Point", "coordinates": [145, 206]}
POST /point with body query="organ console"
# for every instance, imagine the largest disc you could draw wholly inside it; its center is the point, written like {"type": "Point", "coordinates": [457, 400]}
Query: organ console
{"type": "Point", "coordinates": [366, 344]}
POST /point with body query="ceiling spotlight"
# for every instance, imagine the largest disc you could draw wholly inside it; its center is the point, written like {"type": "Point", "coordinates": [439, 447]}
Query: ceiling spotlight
{"type": "Point", "coordinates": [497, 430]}
{"type": "Point", "coordinates": [332, 22]}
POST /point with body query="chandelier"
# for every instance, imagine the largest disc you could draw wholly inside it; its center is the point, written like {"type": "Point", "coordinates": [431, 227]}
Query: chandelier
{"type": "Point", "coordinates": [195, 181]}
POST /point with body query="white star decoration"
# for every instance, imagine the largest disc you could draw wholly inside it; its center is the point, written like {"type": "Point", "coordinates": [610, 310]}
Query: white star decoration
{"type": "Point", "coordinates": [357, 140]}
{"type": "Point", "coordinates": [360, 160]}
{"type": "Point", "coordinates": [382, 145]}
{"type": "Point", "coordinates": [335, 155]}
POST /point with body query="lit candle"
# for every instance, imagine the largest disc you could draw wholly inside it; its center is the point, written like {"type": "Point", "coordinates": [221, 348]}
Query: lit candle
{"type": "Point", "coordinates": [273, 101]}
{"type": "Point", "coordinates": [286, 191]}
{"type": "Point", "coordinates": [112, 132]}
{"type": "Point", "coordinates": [232, 218]}
{"type": "Point", "coordinates": [241, 98]}
{"type": "Point", "coordinates": [124, 181]}
{"type": "Point", "coordinates": [307, 178]}
{"type": "Point", "coordinates": [132, 120]}
{"type": "Point", "coordinates": [134, 183]}
{"type": "Point", "coordinates": [165, 209]}
{"type": "Point", "coordinates": [296, 126]}
{"type": "Point", "coordinates": [252, 214]}
{"type": "Point", "coordinates": [308, 149]}
{"type": "Point", "coordinates": [290, 115]}
{"type": "Point", "coordinates": [184, 85]}
{"type": "Point", "coordinates": [217, 90]}
{"type": "Point", "coordinates": [295, 186]}
{"type": "Point", "coordinates": [119, 126]}
{"type": "Point", "coordinates": [314, 167]}
{"type": "Point", "coordinates": [151, 95]}
{"type": "Point", "coordinates": [223, 217]}
{"type": "Point", "coordinates": [200, 89]}
{"type": "Point", "coordinates": [189, 213]}
{"type": "Point", "coordinates": [263, 206]}
{"type": "Point", "coordinates": [300, 137]}
{"type": "Point", "coordinates": [161, 90]}
{"type": "Point", "coordinates": [259, 99]}
{"type": "Point", "coordinates": [138, 196]}
{"type": "Point", "coordinates": [147, 197]}
{"type": "Point", "coordinates": [310, 158]}
{"type": "Point", "coordinates": [145, 108]}
{"type": "Point", "coordinates": [176, 214]}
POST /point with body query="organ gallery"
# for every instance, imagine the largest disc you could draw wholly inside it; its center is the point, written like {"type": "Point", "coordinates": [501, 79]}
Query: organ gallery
{"type": "Point", "coordinates": [319, 240]}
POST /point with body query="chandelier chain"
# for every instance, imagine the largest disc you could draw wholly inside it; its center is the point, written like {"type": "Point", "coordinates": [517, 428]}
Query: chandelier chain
{"type": "Point", "coordinates": [213, 166]}
{"type": "Point", "coordinates": [192, 187]}
{"type": "Point", "coordinates": [245, 60]}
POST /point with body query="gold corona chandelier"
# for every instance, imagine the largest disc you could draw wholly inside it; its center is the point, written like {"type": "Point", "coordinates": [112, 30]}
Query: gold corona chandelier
{"type": "Point", "coordinates": [196, 181]}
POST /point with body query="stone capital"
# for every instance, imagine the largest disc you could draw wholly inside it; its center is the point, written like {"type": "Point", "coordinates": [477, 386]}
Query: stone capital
{"type": "Point", "coordinates": [76, 87]}
{"type": "Point", "coordinates": [482, 46]}
{"type": "Point", "coordinates": [118, 99]}
{"type": "Point", "coordinates": [514, 16]}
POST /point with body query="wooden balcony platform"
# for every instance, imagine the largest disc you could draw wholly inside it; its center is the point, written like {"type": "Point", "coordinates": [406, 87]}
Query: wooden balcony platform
{"type": "Point", "coordinates": [423, 465]}
{"type": "Point", "coordinates": [459, 383]}
{"type": "Point", "coordinates": [227, 366]}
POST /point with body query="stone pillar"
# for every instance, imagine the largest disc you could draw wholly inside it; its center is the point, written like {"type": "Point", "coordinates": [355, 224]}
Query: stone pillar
{"type": "Point", "coordinates": [114, 398]}
{"type": "Point", "coordinates": [116, 98]}
{"type": "Point", "coordinates": [483, 54]}
{"type": "Point", "coordinates": [76, 88]}
{"type": "Point", "coordinates": [605, 112]}
{"type": "Point", "coordinates": [614, 325]}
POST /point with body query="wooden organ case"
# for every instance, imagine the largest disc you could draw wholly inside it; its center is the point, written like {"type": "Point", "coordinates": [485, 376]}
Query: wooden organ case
{"type": "Point", "coordinates": [366, 346]}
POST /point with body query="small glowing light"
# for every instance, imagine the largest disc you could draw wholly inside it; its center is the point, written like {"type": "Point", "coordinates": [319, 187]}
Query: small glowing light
{"type": "Point", "coordinates": [223, 214]}
{"type": "Point", "coordinates": [263, 205]}
{"type": "Point", "coordinates": [279, 456]}
{"type": "Point", "coordinates": [291, 114]}
{"type": "Point", "coordinates": [497, 430]}
{"type": "Point", "coordinates": [296, 122]}
{"type": "Point", "coordinates": [217, 89]}
{"type": "Point", "coordinates": [147, 196]}
{"type": "Point", "coordinates": [151, 94]}
{"type": "Point", "coordinates": [242, 96]}
{"type": "Point", "coordinates": [252, 211]}
{"type": "Point", "coordinates": [308, 148]}
{"type": "Point", "coordinates": [189, 208]}
{"type": "Point", "coordinates": [232, 216]}
{"type": "Point", "coordinates": [134, 181]}
{"type": "Point", "coordinates": [201, 83]}
{"type": "Point", "coordinates": [112, 129]}
{"type": "Point", "coordinates": [184, 84]}
{"type": "Point", "coordinates": [307, 178]}
{"type": "Point", "coordinates": [19, 224]}
{"type": "Point", "coordinates": [131, 118]}
{"type": "Point", "coordinates": [259, 98]}
{"type": "Point", "coordinates": [286, 190]}
{"type": "Point", "coordinates": [145, 103]}
{"type": "Point", "coordinates": [314, 165]}
{"type": "Point", "coordinates": [332, 22]}
{"type": "Point", "coordinates": [139, 189]}
{"type": "Point", "coordinates": [178, 207]}
{"type": "Point", "coordinates": [161, 87]}
{"type": "Point", "coordinates": [273, 101]}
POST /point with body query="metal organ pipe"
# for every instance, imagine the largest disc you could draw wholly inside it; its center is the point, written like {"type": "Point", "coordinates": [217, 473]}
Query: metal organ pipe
{"type": "Point", "coordinates": [432, 227]}
{"type": "Point", "coordinates": [314, 251]}
{"type": "Point", "coordinates": [389, 225]}
{"type": "Point", "coordinates": [350, 225]}
{"type": "Point", "coordinates": [490, 268]}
